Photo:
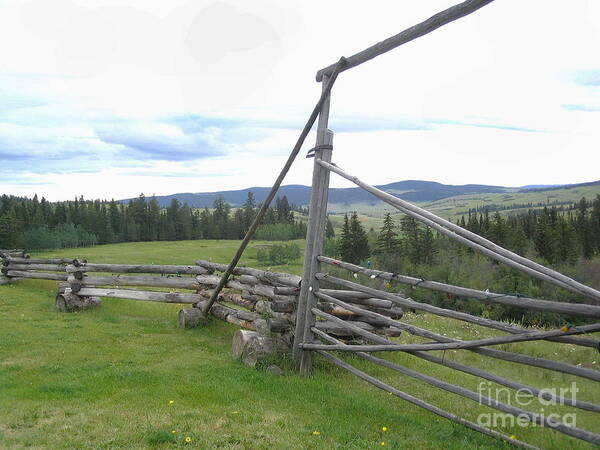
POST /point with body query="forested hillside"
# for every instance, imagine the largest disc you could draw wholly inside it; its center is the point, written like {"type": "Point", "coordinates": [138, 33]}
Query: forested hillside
{"type": "Point", "coordinates": [36, 224]}
{"type": "Point", "coordinates": [565, 238]}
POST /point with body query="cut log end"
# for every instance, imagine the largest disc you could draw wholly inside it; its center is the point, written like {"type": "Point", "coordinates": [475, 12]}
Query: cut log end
{"type": "Point", "coordinates": [260, 348]}
{"type": "Point", "coordinates": [240, 340]}
{"type": "Point", "coordinates": [253, 347]}
{"type": "Point", "coordinates": [191, 318]}
{"type": "Point", "coordinates": [68, 302]}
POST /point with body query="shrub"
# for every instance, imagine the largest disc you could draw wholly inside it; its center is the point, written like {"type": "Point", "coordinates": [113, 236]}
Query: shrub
{"type": "Point", "coordinates": [279, 254]}
{"type": "Point", "coordinates": [63, 236]}
{"type": "Point", "coordinates": [281, 231]}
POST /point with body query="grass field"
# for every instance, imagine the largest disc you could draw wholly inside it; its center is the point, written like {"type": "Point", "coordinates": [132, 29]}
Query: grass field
{"type": "Point", "coordinates": [454, 207]}
{"type": "Point", "coordinates": [124, 376]}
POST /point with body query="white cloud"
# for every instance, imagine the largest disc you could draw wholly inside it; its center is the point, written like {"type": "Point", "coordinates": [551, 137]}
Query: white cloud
{"type": "Point", "coordinates": [213, 94]}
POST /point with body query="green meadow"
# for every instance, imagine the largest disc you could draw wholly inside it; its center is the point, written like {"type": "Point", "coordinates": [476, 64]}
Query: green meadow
{"type": "Point", "coordinates": [454, 207]}
{"type": "Point", "coordinates": [125, 376]}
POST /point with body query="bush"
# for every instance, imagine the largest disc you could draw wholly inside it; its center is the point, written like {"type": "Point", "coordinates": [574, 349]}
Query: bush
{"type": "Point", "coordinates": [279, 254]}
{"type": "Point", "coordinates": [331, 248]}
{"type": "Point", "coordinates": [63, 236]}
{"type": "Point", "coordinates": [281, 232]}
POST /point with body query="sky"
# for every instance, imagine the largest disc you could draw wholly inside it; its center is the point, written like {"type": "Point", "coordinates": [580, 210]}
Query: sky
{"type": "Point", "coordinates": [113, 98]}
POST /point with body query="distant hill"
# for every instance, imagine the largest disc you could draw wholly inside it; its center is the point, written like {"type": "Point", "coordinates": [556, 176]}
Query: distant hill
{"type": "Point", "coordinates": [540, 186]}
{"type": "Point", "coordinates": [521, 199]}
{"type": "Point", "coordinates": [443, 199]}
{"type": "Point", "coordinates": [411, 190]}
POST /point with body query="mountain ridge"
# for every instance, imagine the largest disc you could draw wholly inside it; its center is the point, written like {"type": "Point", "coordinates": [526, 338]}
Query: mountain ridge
{"type": "Point", "coordinates": [410, 190]}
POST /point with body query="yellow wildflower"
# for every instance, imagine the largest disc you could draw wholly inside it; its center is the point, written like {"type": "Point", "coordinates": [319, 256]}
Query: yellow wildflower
{"type": "Point", "coordinates": [382, 443]}
{"type": "Point", "coordinates": [316, 433]}
{"type": "Point", "coordinates": [512, 436]}
{"type": "Point", "coordinates": [384, 429]}
{"type": "Point", "coordinates": [171, 402]}
{"type": "Point", "coordinates": [188, 439]}
{"type": "Point", "coordinates": [173, 431]}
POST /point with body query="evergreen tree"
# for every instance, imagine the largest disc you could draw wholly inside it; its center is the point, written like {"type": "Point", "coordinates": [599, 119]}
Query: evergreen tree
{"type": "Point", "coordinates": [329, 232]}
{"type": "Point", "coordinates": [409, 245]}
{"type": "Point", "coordinates": [546, 237]}
{"type": "Point", "coordinates": [345, 244]}
{"type": "Point", "coordinates": [427, 246]}
{"type": "Point", "coordinates": [248, 212]}
{"type": "Point", "coordinates": [9, 230]}
{"type": "Point", "coordinates": [359, 241]}
{"type": "Point", "coordinates": [387, 241]}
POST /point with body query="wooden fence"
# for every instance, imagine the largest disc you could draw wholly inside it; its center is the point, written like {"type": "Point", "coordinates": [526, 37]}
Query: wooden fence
{"type": "Point", "coordinates": [22, 266]}
{"type": "Point", "coordinates": [311, 339]}
{"type": "Point", "coordinates": [262, 302]}
{"type": "Point", "coordinates": [326, 313]}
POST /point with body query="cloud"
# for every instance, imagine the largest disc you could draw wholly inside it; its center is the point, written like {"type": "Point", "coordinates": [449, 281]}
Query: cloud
{"type": "Point", "coordinates": [184, 174]}
{"type": "Point", "coordinates": [495, 126]}
{"type": "Point", "coordinates": [160, 141]}
{"type": "Point", "coordinates": [220, 29]}
{"type": "Point", "coordinates": [586, 77]}
{"type": "Point", "coordinates": [582, 107]}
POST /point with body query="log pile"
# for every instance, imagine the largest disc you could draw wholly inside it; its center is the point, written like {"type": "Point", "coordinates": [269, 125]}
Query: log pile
{"type": "Point", "coordinates": [14, 252]}
{"type": "Point", "coordinates": [274, 296]}
{"type": "Point", "coordinates": [18, 267]}
{"type": "Point", "coordinates": [94, 281]}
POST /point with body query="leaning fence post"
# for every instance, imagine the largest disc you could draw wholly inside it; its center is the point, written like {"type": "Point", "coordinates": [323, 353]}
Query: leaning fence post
{"type": "Point", "coordinates": [314, 239]}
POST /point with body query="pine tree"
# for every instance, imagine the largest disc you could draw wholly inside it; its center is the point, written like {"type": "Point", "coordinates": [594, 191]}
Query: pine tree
{"type": "Point", "coordinates": [153, 218]}
{"type": "Point", "coordinates": [345, 244]}
{"type": "Point", "coordinates": [329, 231]}
{"type": "Point", "coordinates": [9, 230]}
{"type": "Point", "coordinates": [410, 239]}
{"type": "Point", "coordinates": [546, 237]}
{"type": "Point", "coordinates": [584, 229]}
{"type": "Point", "coordinates": [427, 246]}
{"type": "Point", "coordinates": [498, 232]}
{"type": "Point", "coordinates": [360, 243]}
{"type": "Point", "coordinates": [248, 212]}
{"type": "Point", "coordinates": [387, 241]}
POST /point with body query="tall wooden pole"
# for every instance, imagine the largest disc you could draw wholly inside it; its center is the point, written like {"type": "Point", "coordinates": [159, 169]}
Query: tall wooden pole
{"type": "Point", "coordinates": [314, 240]}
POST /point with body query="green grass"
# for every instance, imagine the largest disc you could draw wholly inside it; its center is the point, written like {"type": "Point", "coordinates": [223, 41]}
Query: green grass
{"type": "Point", "coordinates": [105, 378]}
{"type": "Point", "coordinates": [454, 207]}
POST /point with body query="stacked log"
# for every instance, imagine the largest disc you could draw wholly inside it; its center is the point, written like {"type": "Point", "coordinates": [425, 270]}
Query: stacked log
{"type": "Point", "coordinates": [18, 267]}
{"type": "Point", "coordinates": [253, 301]}
{"type": "Point", "coordinates": [90, 280]}
{"type": "Point", "coordinates": [12, 252]}
{"type": "Point", "coordinates": [275, 295]}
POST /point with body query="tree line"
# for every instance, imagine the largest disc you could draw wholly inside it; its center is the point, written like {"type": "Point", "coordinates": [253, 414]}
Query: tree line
{"type": "Point", "coordinates": [557, 236]}
{"type": "Point", "coordinates": [34, 223]}
{"type": "Point", "coordinates": [566, 240]}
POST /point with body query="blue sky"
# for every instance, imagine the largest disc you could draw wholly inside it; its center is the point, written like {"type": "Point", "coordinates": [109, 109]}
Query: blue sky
{"type": "Point", "coordinates": [107, 98]}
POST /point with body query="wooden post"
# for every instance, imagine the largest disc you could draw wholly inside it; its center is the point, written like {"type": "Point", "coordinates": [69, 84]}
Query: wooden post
{"type": "Point", "coordinates": [314, 240]}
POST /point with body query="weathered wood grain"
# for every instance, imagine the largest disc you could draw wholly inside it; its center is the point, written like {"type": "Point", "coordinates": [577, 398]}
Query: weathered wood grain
{"type": "Point", "coordinates": [137, 268]}
{"type": "Point", "coordinates": [149, 296]}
